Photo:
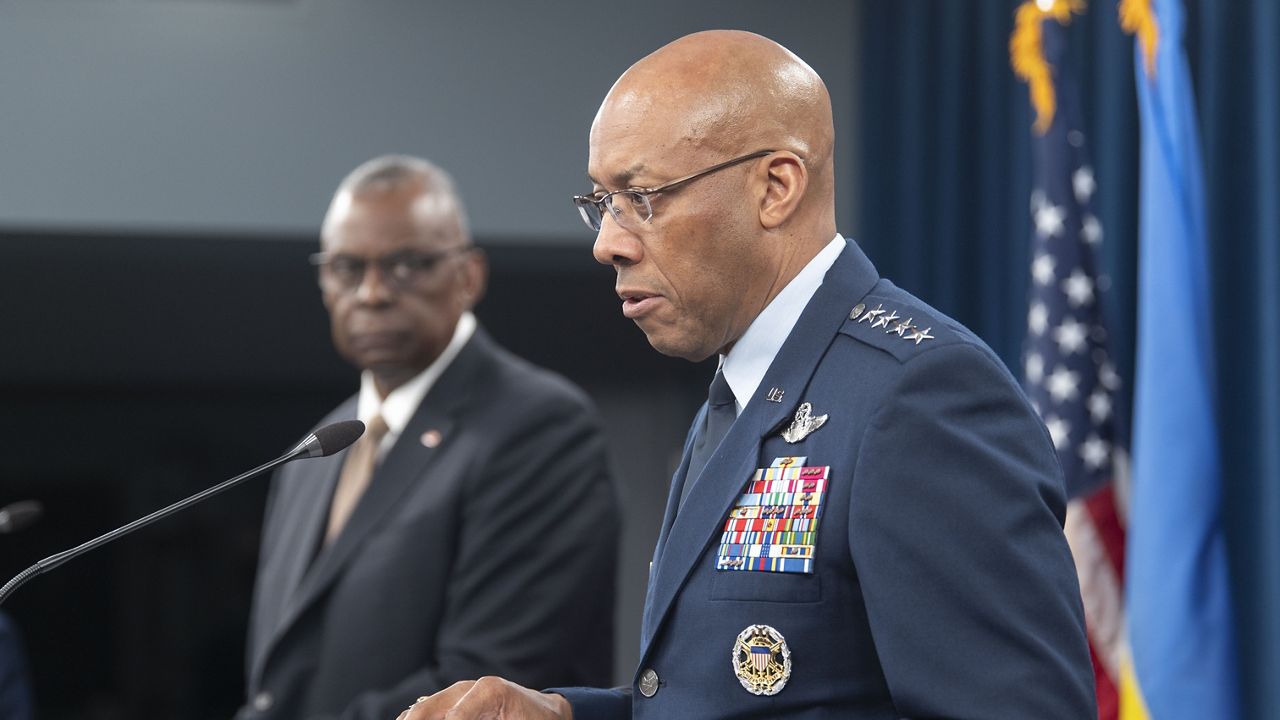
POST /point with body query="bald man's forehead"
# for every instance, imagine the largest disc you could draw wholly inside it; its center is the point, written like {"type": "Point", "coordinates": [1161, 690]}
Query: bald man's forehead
{"type": "Point", "coordinates": [407, 213]}
{"type": "Point", "coordinates": [629, 142]}
{"type": "Point", "coordinates": [623, 160]}
{"type": "Point", "coordinates": [637, 109]}
{"type": "Point", "coordinates": [702, 99]}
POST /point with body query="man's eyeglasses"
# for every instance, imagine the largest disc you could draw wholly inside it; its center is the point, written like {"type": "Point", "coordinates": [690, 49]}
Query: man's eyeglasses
{"type": "Point", "coordinates": [631, 207]}
{"type": "Point", "coordinates": [401, 271]}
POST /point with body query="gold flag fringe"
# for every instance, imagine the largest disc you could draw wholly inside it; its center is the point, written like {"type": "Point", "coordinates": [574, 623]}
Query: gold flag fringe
{"type": "Point", "coordinates": [1026, 53]}
{"type": "Point", "coordinates": [1138, 19]}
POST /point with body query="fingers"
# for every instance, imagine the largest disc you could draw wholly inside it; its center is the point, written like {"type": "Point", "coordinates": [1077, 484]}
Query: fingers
{"type": "Point", "coordinates": [434, 707]}
{"type": "Point", "coordinates": [492, 698]}
{"type": "Point", "coordinates": [489, 698]}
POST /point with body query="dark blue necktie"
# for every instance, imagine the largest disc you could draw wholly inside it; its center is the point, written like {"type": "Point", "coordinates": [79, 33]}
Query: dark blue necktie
{"type": "Point", "coordinates": [721, 412]}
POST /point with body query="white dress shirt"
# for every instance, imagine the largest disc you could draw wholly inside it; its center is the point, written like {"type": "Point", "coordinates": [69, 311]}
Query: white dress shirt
{"type": "Point", "coordinates": [750, 357]}
{"type": "Point", "coordinates": [400, 404]}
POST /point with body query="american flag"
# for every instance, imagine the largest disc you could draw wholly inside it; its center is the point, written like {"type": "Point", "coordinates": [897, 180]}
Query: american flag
{"type": "Point", "coordinates": [1068, 372]}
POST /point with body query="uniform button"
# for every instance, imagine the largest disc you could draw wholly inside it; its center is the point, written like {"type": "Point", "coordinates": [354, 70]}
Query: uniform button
{"type": "Point", "coordinates": [649, 683]}
{"type": "Point", "coordinates": [263, 701]}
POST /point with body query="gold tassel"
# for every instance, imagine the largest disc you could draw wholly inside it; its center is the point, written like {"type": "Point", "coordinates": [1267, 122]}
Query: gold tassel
{"type": "Point", "coordinates": [1137, 18]}
{"type": "Point", "coordinates": [1026, 53]}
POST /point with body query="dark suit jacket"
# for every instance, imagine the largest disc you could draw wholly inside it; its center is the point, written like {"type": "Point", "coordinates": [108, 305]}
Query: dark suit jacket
{"type": "Point", "coordinates": [941, 585]}
{"type": "Point", "coordinates": [15, 692]}
{"type": "Point", "coordinates": [493, 553]}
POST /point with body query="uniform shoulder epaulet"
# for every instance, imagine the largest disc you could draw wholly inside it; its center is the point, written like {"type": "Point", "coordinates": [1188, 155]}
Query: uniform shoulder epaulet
{"type": "Point", "coordinates": [901, 326]}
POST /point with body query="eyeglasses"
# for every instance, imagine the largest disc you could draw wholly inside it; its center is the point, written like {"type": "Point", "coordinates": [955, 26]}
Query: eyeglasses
{"type": "Point", "coordinates": [401, 271]}
{"type": "Point", "coordinates": [631, 207]}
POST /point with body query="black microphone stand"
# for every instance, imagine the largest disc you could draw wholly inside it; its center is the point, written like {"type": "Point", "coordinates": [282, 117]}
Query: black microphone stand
{"type": "Point", "coordinates": [54, 561]}
{"type": "Point", "coordinates": [321, 443]}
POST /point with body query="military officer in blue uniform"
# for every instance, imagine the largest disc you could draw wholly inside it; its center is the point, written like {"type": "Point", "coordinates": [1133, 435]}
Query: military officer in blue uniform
{"type": "Point", "coordinates": [867, 521]}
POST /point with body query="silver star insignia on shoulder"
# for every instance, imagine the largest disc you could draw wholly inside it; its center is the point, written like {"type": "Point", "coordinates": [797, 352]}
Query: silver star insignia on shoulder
{"type": "Point", "coordinates": [919, 335]}
{"type": "Point", "coordinates": [892, 323]}
{"type": "Point", "coordinates": [884, 320]}
{"type": "Point", "coordinates": [871, 315]}
{"type": "Point", "coordinates": [803, 424]}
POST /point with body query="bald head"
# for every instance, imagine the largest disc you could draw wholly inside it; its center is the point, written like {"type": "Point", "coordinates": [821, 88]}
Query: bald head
{"type": "Point", "coordinates": [721, 93]}
{"type": "Point", "coordinates": [730, 137]}
{"type": "Point", "coordinates": [429, 190]}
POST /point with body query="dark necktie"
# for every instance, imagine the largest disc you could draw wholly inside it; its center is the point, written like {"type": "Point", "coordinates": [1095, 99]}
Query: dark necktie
{"type": "Point", "coordinates": [721, 412]}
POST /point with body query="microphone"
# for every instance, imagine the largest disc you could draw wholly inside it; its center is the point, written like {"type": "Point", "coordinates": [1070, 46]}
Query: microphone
{"type": "Point", "coordinates": [19, 516]}
{"type": "Point", "coordinates": [327, 440]}
{"type": "Point", "coordinates": [323, 442]}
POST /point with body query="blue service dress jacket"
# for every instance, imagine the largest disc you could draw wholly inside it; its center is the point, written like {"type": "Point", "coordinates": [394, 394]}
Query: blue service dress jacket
{"type": "Point", "coordinates": [915, 565]}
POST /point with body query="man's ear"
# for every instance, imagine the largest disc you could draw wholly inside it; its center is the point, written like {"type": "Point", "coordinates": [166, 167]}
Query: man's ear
{"type": "Point", "coordinates": [786, 180]}
{"type": "Point", "coordinates": [475, 276]}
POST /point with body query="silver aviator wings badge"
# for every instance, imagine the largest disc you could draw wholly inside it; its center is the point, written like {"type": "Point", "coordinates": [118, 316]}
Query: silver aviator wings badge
{"type": "Point", "coordinates": [803, 424]}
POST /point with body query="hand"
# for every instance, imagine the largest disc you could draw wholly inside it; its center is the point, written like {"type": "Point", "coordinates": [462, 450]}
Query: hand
{"type": "Point", "coordinates": [489, 698]}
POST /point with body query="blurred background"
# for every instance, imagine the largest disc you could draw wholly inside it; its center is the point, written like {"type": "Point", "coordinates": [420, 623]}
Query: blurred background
{"type": "Point", "coordinates": [164, 166]}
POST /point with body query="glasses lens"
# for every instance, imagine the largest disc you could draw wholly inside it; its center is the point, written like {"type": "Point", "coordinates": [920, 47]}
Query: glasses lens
{"type": "Point", "coordinates": [400, 271]}
{"type": "Point", "coordinates": [589, 211]}
{"type": "Point", "coordinates": [629, 208]}
{"type": "Point", "coordinates": [342, 271]}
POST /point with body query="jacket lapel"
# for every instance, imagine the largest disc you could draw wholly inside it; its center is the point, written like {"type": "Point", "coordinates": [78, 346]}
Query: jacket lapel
{"type": "Point", "coordinates": [311, 519]}
{"type": "Point", "coordinates": [699, 523]}
{"type": "Point", "coordinates": [678, 480]}
{"type": "Point", "coordinates": [301, 511]}
{"type": "Point", "coordinates": [406, 464]}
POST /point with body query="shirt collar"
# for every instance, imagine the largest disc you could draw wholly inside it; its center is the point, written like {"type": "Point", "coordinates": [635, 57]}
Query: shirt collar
{"type": "Point", "coordinates": [400, 405]}
{"type": "Point", "coordinates": [749, 359]}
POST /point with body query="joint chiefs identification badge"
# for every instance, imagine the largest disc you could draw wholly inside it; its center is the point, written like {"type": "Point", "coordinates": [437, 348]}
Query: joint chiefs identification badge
{"type": "Point", "coordinates": [762, 660]}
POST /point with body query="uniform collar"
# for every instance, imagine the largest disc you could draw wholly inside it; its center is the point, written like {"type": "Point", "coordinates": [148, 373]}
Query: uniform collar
{"type": "Point", "coordinates": [746, 363]}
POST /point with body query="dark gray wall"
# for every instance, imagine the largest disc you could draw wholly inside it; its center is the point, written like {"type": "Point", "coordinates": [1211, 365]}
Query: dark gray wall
{"type": "Point", "coordinates": [240, 115]}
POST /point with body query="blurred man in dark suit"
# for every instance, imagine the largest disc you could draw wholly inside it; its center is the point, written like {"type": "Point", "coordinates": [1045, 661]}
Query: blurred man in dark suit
{"type": "Point", "coordinates": [15, 693]}
{"type": "Point", "coordinates": [473, 529]}
{"type": "Point", "coordinates": [867, 521]}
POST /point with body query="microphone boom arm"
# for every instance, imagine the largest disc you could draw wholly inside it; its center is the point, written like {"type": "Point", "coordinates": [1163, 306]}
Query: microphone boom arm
{"type": "Point", "coordinates": [54, 561]}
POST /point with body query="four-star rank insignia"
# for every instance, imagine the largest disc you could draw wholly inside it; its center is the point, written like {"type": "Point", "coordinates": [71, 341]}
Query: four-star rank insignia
{"type": "Point", "coordinates": [762, 660]}
{"type": "Point", "coordinates": [892, 322]}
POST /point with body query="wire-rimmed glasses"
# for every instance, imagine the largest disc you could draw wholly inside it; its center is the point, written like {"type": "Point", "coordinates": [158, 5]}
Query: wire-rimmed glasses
{"type": "Point", "coordinates": [631, 207]}
{"type": "Point", "coordinates": [404, 270]}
